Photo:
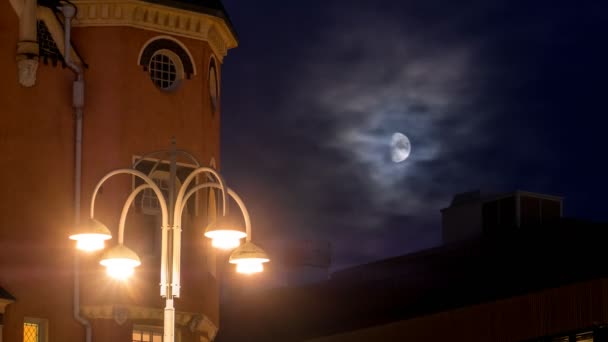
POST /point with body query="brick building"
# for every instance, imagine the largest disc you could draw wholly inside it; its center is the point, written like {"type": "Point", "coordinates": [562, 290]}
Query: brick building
{"type": "Point", "coordinates": [151, 70]}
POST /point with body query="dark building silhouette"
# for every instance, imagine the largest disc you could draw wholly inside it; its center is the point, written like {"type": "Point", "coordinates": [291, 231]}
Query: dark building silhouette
{"type": "Point", "coordinates": [472, 213]}
{"type": "Point", "coordinates": [523, 273]}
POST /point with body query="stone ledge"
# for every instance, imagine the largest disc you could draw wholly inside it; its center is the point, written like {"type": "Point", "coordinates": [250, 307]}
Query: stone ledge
{"type": "Point", "coordinates": [144, 15]}
{"type": "Point", "coordinates": [196, 322]}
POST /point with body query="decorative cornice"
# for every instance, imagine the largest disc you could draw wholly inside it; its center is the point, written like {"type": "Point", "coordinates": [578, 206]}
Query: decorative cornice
{"type": "Point", "coordinates": [3, 303]}
{"type": "Point", "coordinates": [193, 321]}
{"type": "Point", "coordinates": [144, 15]}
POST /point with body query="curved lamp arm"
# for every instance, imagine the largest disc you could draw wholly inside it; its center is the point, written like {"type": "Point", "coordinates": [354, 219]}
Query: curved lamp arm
{"type": "Point", "coordinates": [125, 210]}
{"type": "Point", "coordinates": [179, 209]}
{"type": "Point", "coordinates": [150, 183]}
{"type": "Point", "coordinates": [180, 196]}
{"type": "Point", "coordinates": [182, 199]}
{"type": "Point", "coordinates": [232, 194]}
{"type": "Point", "coordinates": [164, 271]}
{"type": "Point", "coordinates": [155, 153]}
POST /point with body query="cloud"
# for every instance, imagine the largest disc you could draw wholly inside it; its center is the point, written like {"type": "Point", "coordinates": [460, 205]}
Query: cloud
{"type": "Point", "coordinates": [373, 80]}
{"type": "Point", "coordinates": [315, 118]}
{"type": "Point", "coordinates": [328, 140]}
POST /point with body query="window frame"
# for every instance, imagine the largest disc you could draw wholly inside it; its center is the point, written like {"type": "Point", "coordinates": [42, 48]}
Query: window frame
{"type": "Point", "coordinates": [177, 63]}
{"type": "Point", "coordinates": [154, 329]}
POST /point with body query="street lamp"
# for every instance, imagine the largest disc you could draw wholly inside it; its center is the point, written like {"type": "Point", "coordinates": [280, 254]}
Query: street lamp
{"type": "Point", "coordinates": [120, 261]}
{"type": "Point", "coordinates": [91, 236]}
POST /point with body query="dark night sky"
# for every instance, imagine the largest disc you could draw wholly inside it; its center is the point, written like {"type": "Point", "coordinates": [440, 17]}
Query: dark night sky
{"type": "Point", "coordinates": [497, 95]}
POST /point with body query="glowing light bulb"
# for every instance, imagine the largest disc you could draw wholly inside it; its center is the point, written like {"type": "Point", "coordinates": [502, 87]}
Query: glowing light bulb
{"type": "Point", "coordinates": [90, 235]}
{"type": "Point", "coordinates": [90, 243]}
{"type": "Point", "coordinates": [225, 242]}
{"type": "Point", "coordinates": [120, 272]}
{"type": "Point", "coordinates": [250, 267]}
{"type": "Point", "coordinates": [225, 239]}
{"type": "Point", "coordinates": [120, 269]}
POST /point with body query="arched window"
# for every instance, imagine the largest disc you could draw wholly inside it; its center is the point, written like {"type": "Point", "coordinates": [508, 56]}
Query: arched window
{"type": "Point", "coordinates": [167, 62]}
{"type": "Point", "coordinates": [214, 87]}
{"type": "Point", "coordinates": [149, 202]}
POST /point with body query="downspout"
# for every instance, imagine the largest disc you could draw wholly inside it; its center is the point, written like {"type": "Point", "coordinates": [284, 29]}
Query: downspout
{"type": "Point", "coordinates": [69, 10]}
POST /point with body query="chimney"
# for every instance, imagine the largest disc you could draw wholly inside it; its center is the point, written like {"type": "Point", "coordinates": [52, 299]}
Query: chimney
{"type": "Point", "coordinates": [472, 214]}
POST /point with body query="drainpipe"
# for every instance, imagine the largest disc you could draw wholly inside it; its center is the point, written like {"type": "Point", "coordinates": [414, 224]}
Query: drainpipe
{"type": "Point", "coordinates": [69, 10]}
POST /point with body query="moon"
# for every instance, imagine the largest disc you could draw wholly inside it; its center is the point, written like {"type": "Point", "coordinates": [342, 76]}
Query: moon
{"type": "Point", "coordinates": [400, 147]}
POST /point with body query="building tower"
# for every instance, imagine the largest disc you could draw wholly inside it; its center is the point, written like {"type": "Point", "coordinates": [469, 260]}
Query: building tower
{"type": "Point", "coordinates": [151, 71]}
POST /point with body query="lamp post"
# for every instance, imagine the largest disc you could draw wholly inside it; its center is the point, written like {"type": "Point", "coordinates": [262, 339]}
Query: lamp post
{"type": "Point", "coordinates": [120, 261]}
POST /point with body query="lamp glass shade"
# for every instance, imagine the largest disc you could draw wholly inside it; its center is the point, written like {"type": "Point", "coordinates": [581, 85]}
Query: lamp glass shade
{"type": "Point", "coordinates": [90, 235]}
{"type": "Point", "coordinates": [223, 235]}
{"type": "Point", "coordinates": [249, 258]}
{"type": "Point", "coordinates": [120, 262]}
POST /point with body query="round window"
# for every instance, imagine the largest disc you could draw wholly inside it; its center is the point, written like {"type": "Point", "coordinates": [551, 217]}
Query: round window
{"type": "Point", "coordinates": [165, 70]}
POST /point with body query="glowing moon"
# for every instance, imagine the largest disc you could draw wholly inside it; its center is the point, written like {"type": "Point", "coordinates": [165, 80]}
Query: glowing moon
{"type": "Point", "coordinates": [400, 147]}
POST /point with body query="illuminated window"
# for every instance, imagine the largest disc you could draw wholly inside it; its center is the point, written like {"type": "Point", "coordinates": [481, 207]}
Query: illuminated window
{"type": "Point", "coordinates": [34, 330]}
{"type": "Point", "coordinates": [584, 337]}
{"type": "Point", "coordinates": [561, 339]}
{"type": "Point", "coordinates": [143, 333]}
{"type": "Point", "coordinates": [581, 337]}
{"type": "Point", "coordinates": [31, 332]}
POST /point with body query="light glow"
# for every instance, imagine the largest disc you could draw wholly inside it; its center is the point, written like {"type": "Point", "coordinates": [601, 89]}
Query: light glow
{"type": "Point", "coordinates": [90, 245]}
{"type": "Point", "coordinates": [225, 243]}
{"type": "Point", "coordinates": [120, 269]}
{"type": "Point", "coordinates": [249, 267]}
{"type": "Point", "coordinates": [89, 242]}
{"type": "Point", "coordinates": [120, 272]}
{"type": "Point", "coordinates": [225, 239]}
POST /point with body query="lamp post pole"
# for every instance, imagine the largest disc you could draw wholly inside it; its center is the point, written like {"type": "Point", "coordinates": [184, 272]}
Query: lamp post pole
{"type": "Point", "coordinates": [169, 317]}
{"type": "Point", "coordinates": [121, 261]}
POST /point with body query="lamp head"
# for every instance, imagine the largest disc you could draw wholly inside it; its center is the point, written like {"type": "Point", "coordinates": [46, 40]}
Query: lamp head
{"type": "Point", "coordinates": [224, 234]}
{"type": "Point", "coordinates": [249, 258]}
{"type": "Point", "coordinates": [120, 262]}
{"type": "Point", "coordinates": [90, 235]}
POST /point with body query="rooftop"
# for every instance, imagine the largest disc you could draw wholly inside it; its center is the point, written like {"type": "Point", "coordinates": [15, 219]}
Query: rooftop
{"type": "Point", "coordinates": [486, 269]}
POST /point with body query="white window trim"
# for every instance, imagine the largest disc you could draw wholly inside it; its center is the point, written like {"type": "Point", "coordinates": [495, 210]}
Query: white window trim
{"type": "Point", "coordinates": [187, 165]}
{"type": "Point", "coordinates": [182, 45]}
